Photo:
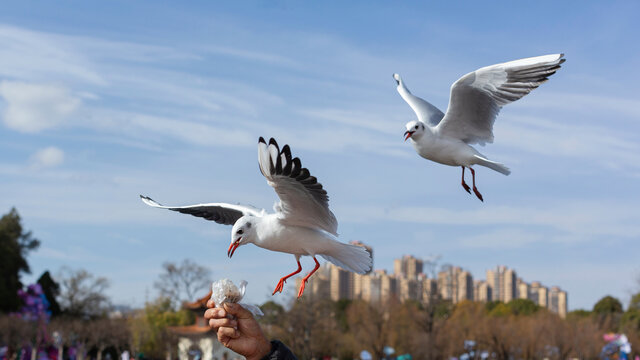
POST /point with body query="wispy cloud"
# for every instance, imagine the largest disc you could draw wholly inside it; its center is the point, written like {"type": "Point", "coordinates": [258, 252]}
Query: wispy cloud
{"type": "Point", "coordinates": [605, 146]}
{"type": "Point", "coordinates": [579, 220]}
{"type": "Point", "coordinates": [33, 107]}
{"type": "Point", "coordinates": [47, 158]}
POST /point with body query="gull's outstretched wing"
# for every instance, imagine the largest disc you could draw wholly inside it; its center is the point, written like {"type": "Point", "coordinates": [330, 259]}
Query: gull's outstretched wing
{"type": "Point", "coordinates": [303, 201]}
{"type": "Point", "coordinates": [477, 97]}
{"type": "Point", "coordinates": [426, 112]}
{"type": "Point", "coordinates": [226, 214]}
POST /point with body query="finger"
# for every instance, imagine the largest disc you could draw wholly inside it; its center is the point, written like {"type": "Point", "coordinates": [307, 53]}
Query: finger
{"type": "Point", "coordinates": [216, 323]}
{"type": "Point", "coordinates": [211, 303]}
{"type": "Point", "coordinates": [228, 332]}
{"type": "Point", "coordinates": [238, 311]}
{"type": "Point", "coordinates": [224, 340]}
{"type": "Point", "coordinates": [215, 313]}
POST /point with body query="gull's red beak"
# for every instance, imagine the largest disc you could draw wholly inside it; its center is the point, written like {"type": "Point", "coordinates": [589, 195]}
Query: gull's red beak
{"type": "Point", "coordinates": [232, 248]}
{"type": "Point", "coordinates": [407, 135]}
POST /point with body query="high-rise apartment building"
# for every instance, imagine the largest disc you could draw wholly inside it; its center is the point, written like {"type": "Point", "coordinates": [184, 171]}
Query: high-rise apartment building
{"type": "Point", "coordinates": [455, 284]}
{"type": "Point", "coordinates": [543, 296]}
{"type": "Point", "coordinates": [341, 283]}
{"type": "Point", "coordinates": [388, 287]}
{"type": "Point", "coordinates": [523, 290]}
{"type": "Point", "coordinates": [408, 266]}
{"type": "Point", "coordinates": [481, 291]}
{"type": "Point", "coordinates": [510, 288]}
{"type": "Point", "coordinates": [428, 289]}
{"type": "Point", "coordinates": [370, 288]}
{"type": "Point", "coordinates": [448, 282]}
{"type": "Point", "coordinates": [465, 287]}
{"type": "Point", "coordinates": [558, 301]}
{"type": "Point", "coordinates": [502, 281]}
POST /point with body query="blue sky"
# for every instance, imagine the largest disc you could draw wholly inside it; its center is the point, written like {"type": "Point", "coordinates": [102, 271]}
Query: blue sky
{"type": "Point", "coordinates": [100, 102]}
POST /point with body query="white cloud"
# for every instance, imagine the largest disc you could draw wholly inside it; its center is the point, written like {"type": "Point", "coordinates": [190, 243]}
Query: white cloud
{"type": "Point", "coordinates": [31, 107]}
{"type": "Point", "coordinates": [47, 158]}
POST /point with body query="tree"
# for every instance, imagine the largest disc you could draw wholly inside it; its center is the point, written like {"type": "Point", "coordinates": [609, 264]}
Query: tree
{"type": "Point", "coordinates": [607, 305]}
{"type": "Point", "coordinates": [183, 282]}
{"type": "Point", "coordinates": [608, 313]}
{"type": "Point", "coordinates": [634, 304]}
{"type": "Point", "coordinates": [51, 290]}
{"type": "Point", "coordinates": [15, 244]}
{"type": "Point", "coordinates": [149, 329]}
{"type": "Point", "coordinates": [82, 294]}
{"type": "Point", "coordinates": [578, 314]}
{"type": "Point", "coordinates": [522, 307]}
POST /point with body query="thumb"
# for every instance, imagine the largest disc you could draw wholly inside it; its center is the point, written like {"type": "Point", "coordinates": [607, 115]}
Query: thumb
{"type": "Point", "coordinates": [238, 311]}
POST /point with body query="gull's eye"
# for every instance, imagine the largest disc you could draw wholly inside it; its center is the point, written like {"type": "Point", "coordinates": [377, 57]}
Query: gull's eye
{"type": "Point", "coordinates": [415, 127]}
{"type": "Point", "coordinates": [240, 232]}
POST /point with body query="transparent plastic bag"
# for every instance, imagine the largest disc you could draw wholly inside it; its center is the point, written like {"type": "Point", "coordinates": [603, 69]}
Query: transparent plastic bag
{"type": "Point", "coordinates": [225, 291]}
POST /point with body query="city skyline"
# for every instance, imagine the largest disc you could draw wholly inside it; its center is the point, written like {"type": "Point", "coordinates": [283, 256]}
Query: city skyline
{"type": "Point", "coordinates": [409, 282]}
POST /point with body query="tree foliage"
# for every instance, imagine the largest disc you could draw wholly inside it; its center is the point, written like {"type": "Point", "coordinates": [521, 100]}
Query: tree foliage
{"type": "Point", "coordinates": [522, 307]}
{"type": "Point", "coordinates": [51, 290]}
{"type": "Point", "coordinates": [607, 305]}
{"type": "Point", "coordinates": [150, 334]}
{"type": "Point", "coordinates": [15, 244]}
{"type": "Point", "coordinates": [634, 304]}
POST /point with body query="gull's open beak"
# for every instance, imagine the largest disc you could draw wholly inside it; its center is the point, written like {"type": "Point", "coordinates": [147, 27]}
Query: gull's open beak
{"type": "Point", "coordinates": [407, 135]}
{"type": "Point", "coordinates": [232, 248]}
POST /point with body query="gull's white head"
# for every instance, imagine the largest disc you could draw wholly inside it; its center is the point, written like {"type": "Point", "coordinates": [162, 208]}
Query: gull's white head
{"type": "Point", "coordinates": [415, 130]}
{"type": "Point", "coordinates": [242, 233]}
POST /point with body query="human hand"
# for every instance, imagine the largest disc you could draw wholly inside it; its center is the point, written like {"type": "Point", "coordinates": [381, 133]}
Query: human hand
{"type": "Point", "coordinates": [241, 334]}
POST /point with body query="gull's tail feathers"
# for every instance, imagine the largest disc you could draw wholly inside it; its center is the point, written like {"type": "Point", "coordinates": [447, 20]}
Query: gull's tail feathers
{"type": "Point", "coordinates": [350, 257]}
{"type": "Point", "coordinates": [493, 165]}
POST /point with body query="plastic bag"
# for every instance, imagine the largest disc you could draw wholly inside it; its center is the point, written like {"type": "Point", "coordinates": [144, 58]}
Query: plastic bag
{"type": "Point", "coordinates": [225, 291]}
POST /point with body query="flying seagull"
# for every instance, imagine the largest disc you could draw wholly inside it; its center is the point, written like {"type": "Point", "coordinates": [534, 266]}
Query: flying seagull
{"type": "Point", "coordinates": [302, 223]}
{"type": "Point", "coordinates": [476, 99]}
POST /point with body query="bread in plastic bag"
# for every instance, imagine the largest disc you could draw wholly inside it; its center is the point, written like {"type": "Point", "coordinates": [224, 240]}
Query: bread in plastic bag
{"type": "Point", "coordinates": [225, 291]}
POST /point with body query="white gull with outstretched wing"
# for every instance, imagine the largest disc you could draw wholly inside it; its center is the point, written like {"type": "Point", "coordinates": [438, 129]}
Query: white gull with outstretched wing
{"type": "Point", "coordinates": [302, 223]}
{"type": "Point", "coordinates": [476, 99]}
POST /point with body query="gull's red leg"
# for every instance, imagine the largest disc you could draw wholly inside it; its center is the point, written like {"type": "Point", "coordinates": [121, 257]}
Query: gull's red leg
{"type": "Point", "coordinates": [464, 184]}
{"type": "Point", "coordinates": [304, 281]}
{"type": "Point", "coordinates": [283, 280]}
{"type": "Point", "coordinates": [475, 190]}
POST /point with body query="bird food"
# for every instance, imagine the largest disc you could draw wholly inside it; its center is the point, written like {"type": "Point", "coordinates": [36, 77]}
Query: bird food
{"type": "Point", "coordinates": [225, 291]}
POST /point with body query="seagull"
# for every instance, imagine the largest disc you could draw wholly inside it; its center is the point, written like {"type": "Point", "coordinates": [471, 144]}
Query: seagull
{"type": "Point", "coordinates": [476, 99]}
{"type": "Point", "coordinates": [302, 223]}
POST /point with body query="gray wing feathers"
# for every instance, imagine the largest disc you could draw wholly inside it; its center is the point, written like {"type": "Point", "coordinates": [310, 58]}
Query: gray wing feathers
{"type": "Point", "coordinates": [303, 200]}
{"type": "Point", "coordinates": [226, 214]}
{"type": "Point", "coordinates": [477, 97]}
{"type": "Point", "coordinates": [426, 112]}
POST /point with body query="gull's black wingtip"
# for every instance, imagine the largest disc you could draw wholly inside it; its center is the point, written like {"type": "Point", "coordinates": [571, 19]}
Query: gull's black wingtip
{"type": "Point", "coordinates": [261, 140]}
{"type": "Point", "coordinates": [273, 141]}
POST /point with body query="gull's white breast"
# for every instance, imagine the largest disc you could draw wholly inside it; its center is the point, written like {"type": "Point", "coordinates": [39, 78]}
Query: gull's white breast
{"type": "Point", "coordinates": [445, 150]}
{"type": "Point", "coordinates": [272, 234]}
